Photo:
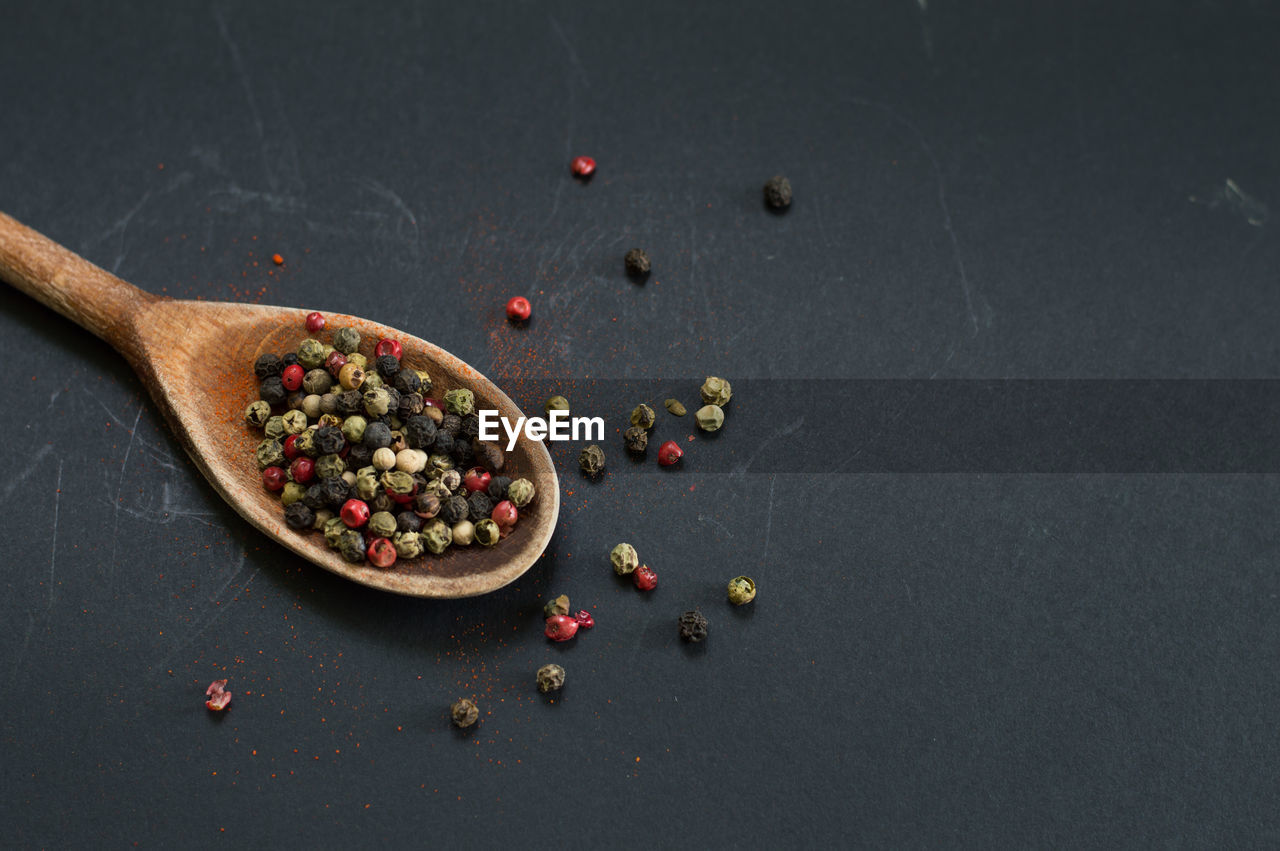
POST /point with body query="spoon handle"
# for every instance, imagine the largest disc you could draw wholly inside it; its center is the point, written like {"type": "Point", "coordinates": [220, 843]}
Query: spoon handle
{"type": "Point", "coordinates": [91, 297]}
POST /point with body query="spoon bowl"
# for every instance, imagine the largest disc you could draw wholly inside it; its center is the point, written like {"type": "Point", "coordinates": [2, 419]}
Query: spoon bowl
{"type": "Point", "coordinates": [196, 360]}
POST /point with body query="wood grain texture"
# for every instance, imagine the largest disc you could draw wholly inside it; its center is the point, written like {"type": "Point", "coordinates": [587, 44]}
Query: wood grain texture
{"type": "Point", "coordinates": [195, 358]}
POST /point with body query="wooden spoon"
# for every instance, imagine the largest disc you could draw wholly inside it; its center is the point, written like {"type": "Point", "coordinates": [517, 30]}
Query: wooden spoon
{"type": "Point", "coordinates": [196, 360]}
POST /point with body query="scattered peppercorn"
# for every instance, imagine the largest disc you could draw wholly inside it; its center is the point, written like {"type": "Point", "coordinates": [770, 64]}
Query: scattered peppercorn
{"type": "Point", "coordinates": [643, 416]}
{"type": "Point", "coordinates": [550, 678]}
{"type": "Point", "coordinates": [636, 439]}
{"type": "Point", "coordinates": [715, 391]}
{"type": "Point", "coordinates": [519, 309]}
{"type": "Point", "coordinates": [558, 606]}
{"type": "Point", "coordinates": [464, 713]}
{"type": "Point", "coordinates": [637, 264]}
{"type": "Point", "coordinates": [674, 407]}
{"type": "Point", "coordinates": [583, 167]}
{"type": "Point", "coordinates": [217, 696]}
{"type": "Point", "coordinates": [561, 628]}
{"type": "Point", "coordinates": [742, 590]}
{"type": "Point", "coordinates": [591, 460]}
{"type": "Point", "coordinates": [693, 626]}
{"type": "Point", "coordinates": [669, 453]}
{"type": "Point", "coordinates": [584, 619]}
{"type": "Point", "coordinates": [777, 192]}
{"type": "Point", "coordinates": [645, 578]}
{"type": "Point", "coordinates": [624, 559]}
{"type": "Point", "coordinates": [709, 417]}
{"type": "Point", "coordinates": [555, 403]}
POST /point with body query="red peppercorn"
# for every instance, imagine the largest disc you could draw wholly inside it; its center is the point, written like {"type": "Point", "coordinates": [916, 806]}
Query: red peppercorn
{"type": "Point", "coordinates": [561, 628]}
{"type": "Point", "coordinates": [355, 513]}
{"type": "Point", "coordinates": [645, 578]}
{"type": "Point", "coordinates": [584, 619]}
{"type": "Point", "coordinates": [505, 514]}
{"type": "Point", "coordinates": [583, 166]}
{"type": "Point", "coordinates": [518, 309]}
{"type": "Point", "coordinates": [302, 469]}
{"type": "Point", "coordinates": [388, 347]}
{"type": "Point", "coordinates": [381, 553]}
{"type": "Point", "coordinates": [291, 378]}
{"type": "Point", "coordinates": [477, 479]}
{"type": "Point", "coordinates": [218, 695]}
{"type": "Point", "coordinates": [315, 320]}
{"type": "Point", "coordinates": [274, 478]}
{"type": "Point", "coordinates": [669, 453]}
{"type": "Point", "coordinates": [291, 447]}
{"type": "Point", "coordinates": [335, 362]}
{"type": "Point", "coordinates": [403, 498]}
{"type": "Point", "coordinates": [432, 403]}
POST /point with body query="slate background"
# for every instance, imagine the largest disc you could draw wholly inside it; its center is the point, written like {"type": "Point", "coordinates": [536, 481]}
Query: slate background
{"type": "Point", "coordinates": [983, 190]}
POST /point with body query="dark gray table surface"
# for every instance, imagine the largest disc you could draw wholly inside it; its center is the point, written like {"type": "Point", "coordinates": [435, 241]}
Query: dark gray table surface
{"type": "Point", "coordinates": [973, 656]}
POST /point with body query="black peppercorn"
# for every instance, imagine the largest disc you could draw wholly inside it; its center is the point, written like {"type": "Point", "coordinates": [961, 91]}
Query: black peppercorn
{"type": "Point", "coordinates": [444, 442]}
{"type": "Point", "coordinates": [351, 545]}
{"type": "Point", "coordinates": [420, 432]}
{"type": "Point", "coordinates": [693, 626]}
{"type": "Point", "coordinates": [267, 365]}
{"type": "Point", "coordinates": [298, 516]}
{"type": "Point", "coordinates": [407, 381]}
{"type": "Point", "coordinates": [360, 456]}
{"type": "Point", "coordinates": [350, 402]}
{"type": "Point", "coordinates": [411, 405]}
{"type": "Point", "coordinates": [314, 497]}
{"type": "Point", "coordinates": [451, 424]}
{"type": "Point", "coordinates": [426, 504]}
{"type": "Point", "coordinates": [470, 429]}
{"type": "Point", "coordinates": [455, 508]}
{"type": "Point", "coordinates": [462, 453]}
{"type": "Point", "coordinates": [381, 501]}
{"type": "Point", "coordinates": [288, 359]}
{"type": "Point", "coordinates": [637, 264]}
{"type": "Point", "coordinates": [294, 400]}
{"type": "Point", "coordinates": [407, 521]}
{"type": "Point", "coordinates": [377, 435]}
{"type": "Point", "coordinates": [335, 491]}
{"type": "Point", "coordinates": [479, 507]}
{"type": "Point", "coordinates": [393, 398]}
{"type": "Point", "coordinates": [777, 192]}
{"type": "Point", "coordinates": [272, 390]}
{"type": "Point", "coordinates": [329, 440]}
{"type": "Point", "coordinates": [497, 489]}
{"type": "Point", "coordinates": [388, 366]}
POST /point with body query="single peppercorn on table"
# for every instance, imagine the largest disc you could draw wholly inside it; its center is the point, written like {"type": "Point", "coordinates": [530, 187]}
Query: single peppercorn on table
{"type": "Point", "coordinates": [173, 344]}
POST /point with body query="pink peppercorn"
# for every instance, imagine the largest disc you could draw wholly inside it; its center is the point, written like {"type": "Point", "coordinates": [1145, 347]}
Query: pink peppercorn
{"type": "Point", "coordinates": [583, 167]}
{"type": "Point", "coordinates": [561, 628]}
{"type": "Point", "coordinates": [669, 453]}
{"type": "Point", "coordinates": [274, 478]}
{"type": "Point", "coordinates": [518, 309]}
{"type": "Point", "coordinates": [584, 619]}
{"type": "Point", "coordinates": [335, 362]}
{"type": "Point", "coordinates": [505, 514]}
{"type": "Point", "coordinates": [292, 376]}
{"type": "Point", "coordinates": [388, 347]}
{"type": "Point", "coordinates": [315, 320]}
{"type": "Point", "coordinates": [302, 469]}
{"type": "Point", "coordinates": [291, 447]}
{"type": "Point", "coordinates": [645, 578]}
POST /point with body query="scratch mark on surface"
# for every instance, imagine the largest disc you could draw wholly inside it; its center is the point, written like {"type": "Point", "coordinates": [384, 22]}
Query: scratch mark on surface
{"type": "Point", "coordinates": [247, 84]}
{"type": "Point", "coordinates": [768, 523]}
{"type": "Point", "coordinates": [22, 651]}
{"type": "Point", "coordinates": [1235, 199]}
{"type": "Point", "coordinates": [785, 431]}
{"type": "Point", "coordinates": [217, 612]}
{"type": "Point", "coordinates": [706, 518]}
{"type": "Point", "coordinates": [943, 206]}
{"type": "Point", "coordinates": [53, 548]}
{"type": "Point", "coordinates": [115, 525]}
{"type": "Point", "coordinates": [31, 468]}
{"type": "Point", "coordinates": [926, 35]}
{"type": "Point", "coordinates": [568, 46]}
{"type": "Point", "coordinates": [389, 194]}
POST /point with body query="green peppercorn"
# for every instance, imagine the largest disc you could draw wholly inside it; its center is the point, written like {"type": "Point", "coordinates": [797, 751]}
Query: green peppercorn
{"type": "Point", "coordinates": [591, 460]}
{"type": "Point", "coordinates": [257, 414]}
{"type": "Point", "coordinates": [675, 408]}
{"type": "Point", "coordinates": [425, 379]}
{"type": "Point", "coordinates": [311, 354]}
{"type": "Point", "coordinates": [464, 713]}
{"type": "Point", "coordinates": [333, 528]}
{"type": "Point", "coordinates": [716, 391]}
{"type": "Point", "coordinates": [351, 546]}
{"type": "Point", "coordinates": [636, 439]}
{"type": "Point", "coordinates": [437, 535]}
{"type": "Point", "coordinates": [443, 463]}
{"type": "Point", "coordinates": [407, 544]}
{"type": "Point", "coordinates": [397, 481]}
{"type": "Point", "coordinates": [742, 590]}
{"type": "Point", "coordinates": [382, 524]}
{"type": "Point", "coordinates": [464, 532]}
{"type": "Point", "coordinates": [292, 493]}
{"type": "Point", "coordinates": [521, 492]}
{"type": "Point", "coordinates": [377, 401]}
{"type": "Point", "coordinates": [372, 381]}
{"type": "Point", "coordinates": [643, 416]}
{"type": "Point", "coordinates": [346, 340]}
{"type": "Point", "coordinates": [295, 422]}
{"type": "Point", "coordinates": [558, 606]}
{"type": "Point", "coordinates": [330, 420]}
{"type": "Point", "coordinates": [556, 403]}
{"type": "Point", "coordinates": [306, 442]}
{"type": "Point", "coordinates": [550, 678]}
{"type": "Point", "coordinates": [311, 405]}
{"type": "Point", "coordinates": [270, 453]}
{"type": "Point", "coordinates": [317, 381]}
{"type": "Point", "coordinates": [709, 417]}
{"type": "Point", "coordinates": [330, 466]}
{"type": "Point", "coordinates": [367, 483]}
{"type": "Point", "coordinates": [460, 401]}
{"type": "Point", "coordinates": [693, 626]}
{"type": "Point", "coordinates": [487, 533]}
{"type": "Point", "coordinates": [358, 359]}
{"type": "Point", "coordinates": [274, 429]}
{"type": "Point", "coordinates": [624, 558]}
{"type": "Point", "coordinates": [353, 428]}
{"type": "Point", "coordinates": [323, 516]}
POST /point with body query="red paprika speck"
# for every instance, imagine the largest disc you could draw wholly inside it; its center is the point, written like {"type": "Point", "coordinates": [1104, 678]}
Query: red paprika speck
{"type": "Point", "coordinates": [388, 347]}
{"type": "Point", "coordinates": [669, 453]}
{"type": "Point", "coordinates": [561, 628]}
{"type": "Point", "coordinates": [274, 478]}
{"type": "Point", "coordinates": [218, 695]}
{"type": "Point", "coordinates": [505, 514]}
{"type": "Point", "coordinates": [315, 320]}
{"type": "Point", "coordinates": [292, 376]}
{"type": "Point", "coordinates": [583, 167]}
{"type": "Point", "coordinates": [519, 309]}
{"type": "Point", "coordinates": [355, 513]}
{"type": "Point", "coordinates": [476, 479]}
{"type": "Point", "coordinates": [302, 470]}
{"type": "Point", "coordinates": [291, 447]}
{"type": "Point", "coordinates": [645, 578]}
{"type": "Point", "coordinates": [335, 362]}
{"type": "Point", "coordinates": [277, 259]}
{"type": "Point", "coordinates": [584, 619]}
{"type": "Point", "coordinates": [381, 552]}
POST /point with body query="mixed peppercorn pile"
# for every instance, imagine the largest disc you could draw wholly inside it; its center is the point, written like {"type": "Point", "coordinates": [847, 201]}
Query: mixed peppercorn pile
{"type": "Point", "coordinates": [361, 452]}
